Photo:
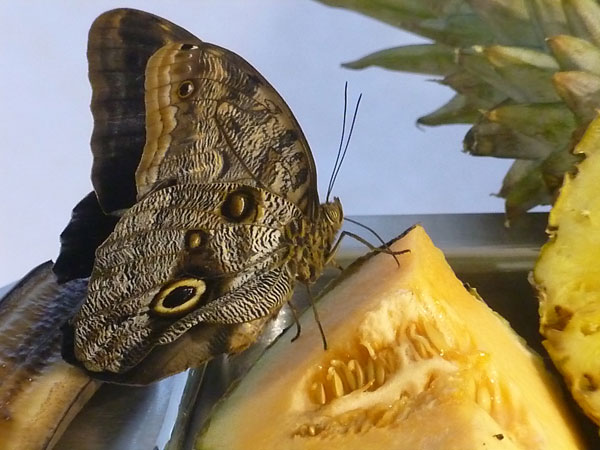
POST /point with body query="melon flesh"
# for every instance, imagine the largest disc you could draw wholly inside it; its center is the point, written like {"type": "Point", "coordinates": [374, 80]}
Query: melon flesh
{"type": "Point", "coordinates": [415, 361]}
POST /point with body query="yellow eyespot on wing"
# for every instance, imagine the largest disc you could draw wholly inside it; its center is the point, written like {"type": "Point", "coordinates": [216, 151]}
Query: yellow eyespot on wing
{"type": "Point", "coordinates": [242, 205]}
{"type": "Point", "coordinates": [196, 238]}
{"type": "Point", "coordinates": [178, 298]}
{"type": "Point", "coordinates": [185, 89]}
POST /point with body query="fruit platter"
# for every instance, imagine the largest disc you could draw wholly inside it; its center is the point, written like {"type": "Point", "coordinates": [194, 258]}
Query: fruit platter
{"type": "Point", "coordinates": [205, 297]}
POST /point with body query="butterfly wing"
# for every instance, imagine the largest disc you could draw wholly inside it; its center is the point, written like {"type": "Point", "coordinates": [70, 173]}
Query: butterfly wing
{"type": "Point", "coordinates": [88, 228]}
{"type": "Point", "coordinates": [190, 262]}
{"type": "Point", "coordinates": [119, 45]}
{"type": "Point", "coordinates": [212, 116]}
{"type": "Point", "coordinates": [184, 256]}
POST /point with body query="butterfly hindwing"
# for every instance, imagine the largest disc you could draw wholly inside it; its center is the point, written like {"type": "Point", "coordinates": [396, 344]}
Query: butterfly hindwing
{"type": "Point", "coordinates": [222, 239]}
{"type": "Point", "coordinates": [119, 45]}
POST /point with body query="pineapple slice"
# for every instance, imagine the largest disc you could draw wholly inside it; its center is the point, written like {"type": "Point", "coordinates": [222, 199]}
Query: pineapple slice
{"type": "Point", "coordinates": [415, 362]}
{"type": "Point", "coordinates": [567, 276]}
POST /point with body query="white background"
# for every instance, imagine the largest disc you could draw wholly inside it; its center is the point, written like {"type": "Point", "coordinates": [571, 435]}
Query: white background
{"type": "Point", "coordinates": [393, 167]}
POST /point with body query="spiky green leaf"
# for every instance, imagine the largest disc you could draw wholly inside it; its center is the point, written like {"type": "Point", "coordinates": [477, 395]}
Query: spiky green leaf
{"type": "Point", "coordinates": [474, 61]}
{"type": "Point", "coordinates": [528, 71]}
{"type": "Point", "coordinates": [580, 91]}
{"type": "Point", "coordinates": [552, 123]}
{"type": "Point", "coordinates": [487, 138]}
{"type": "Point", "coordinates": [399, 9]}
{"type": "Point", "coordinates": [458, 110]}
{"type": "Point", "coordinates": [450, 22]}
{"type": "Point", "coordinates": [482, 94]}
{"type": "Point", "coordinates": [457, 30]}
{"type": "Point", "coordinates": [575, 54]}
{"type": "Point", "coordinates": [556, 165]}
{"type": "Point", "coordinates": [523, 188]}
{"type": "Point", "coordinates": [509, 21]}
{"type": "Point", "coordinates": [431, 59]}
{"type": "Point", "coordinates": [548, 17]}
{"type": "Point", "coordinates": [583, 17]}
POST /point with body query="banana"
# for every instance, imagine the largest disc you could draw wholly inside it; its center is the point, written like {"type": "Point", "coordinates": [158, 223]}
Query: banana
{"type": "Point", "coordinates": [39, 392]}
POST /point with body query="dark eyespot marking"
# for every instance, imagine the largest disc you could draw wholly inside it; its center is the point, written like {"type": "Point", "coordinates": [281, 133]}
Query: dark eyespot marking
{"type": "Point", "coordinates": [241, 205]}
{"type": "Point", "coordinates": [189, 47]}
{"type": "Point", "coordinates": [178, 298]}
{"type": "Point", "coordinates": [185, 89]}
{"type": "Point", "coordinates": [252, 82]}
{"type": "Point", "coordinates": [288, 138]}
{"type": "Point", "coordinates": [196, 239]}
{"type": "Point", "coordinates": [302, 176]}
{"type": "Point", "coordinates": [235, 126]}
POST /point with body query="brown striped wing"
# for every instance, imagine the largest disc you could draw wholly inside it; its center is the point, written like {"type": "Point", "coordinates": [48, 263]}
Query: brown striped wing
{"type": "Point", "coordinates": [119, 45]}
{"type": "Point", "coordinates": [218, 167]}
{"type": "Point", "coordinates": [183, 234]}
{"type": "Point", "coordinates": [212, 117]}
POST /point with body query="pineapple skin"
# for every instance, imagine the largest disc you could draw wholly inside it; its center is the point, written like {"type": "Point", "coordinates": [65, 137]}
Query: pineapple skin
{"type": "Point", "coordinates": [567, 277]}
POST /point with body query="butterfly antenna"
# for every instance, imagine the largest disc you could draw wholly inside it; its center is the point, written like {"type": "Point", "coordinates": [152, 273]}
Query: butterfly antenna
{"type": "Point", "coordinates": [339, 152]}
{"type": "Point", "coordinates": [347, 141]}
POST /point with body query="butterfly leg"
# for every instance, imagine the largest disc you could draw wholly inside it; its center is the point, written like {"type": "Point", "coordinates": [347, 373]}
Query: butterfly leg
{"type": "Point", "coordinates": [295, 314]}
{"type": "Point", "coordinates": [316, 314]}
{"type": "Point", "coordinates": [337, 265]}
{"type": "Point", "coordinates": [366, 243]}
{"type": "Point", "coordinates": [330, 261]}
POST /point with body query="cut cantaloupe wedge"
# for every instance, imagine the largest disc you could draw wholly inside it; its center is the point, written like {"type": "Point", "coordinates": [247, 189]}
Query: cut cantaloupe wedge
{"type": "Point", "coordinates": [415, 361]}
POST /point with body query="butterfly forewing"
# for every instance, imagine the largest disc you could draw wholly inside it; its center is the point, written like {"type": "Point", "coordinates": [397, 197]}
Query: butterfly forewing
{"type": "Point", "coordinates": [212, 116]}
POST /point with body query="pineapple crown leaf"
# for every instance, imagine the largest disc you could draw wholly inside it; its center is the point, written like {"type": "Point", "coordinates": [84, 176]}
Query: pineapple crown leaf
{"type": "Point", "coordinates": [526, 75]}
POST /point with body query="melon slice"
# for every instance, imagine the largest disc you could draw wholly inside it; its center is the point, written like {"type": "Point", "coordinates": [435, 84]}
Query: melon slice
{"type": "Point", "coordinates": [415, 361]}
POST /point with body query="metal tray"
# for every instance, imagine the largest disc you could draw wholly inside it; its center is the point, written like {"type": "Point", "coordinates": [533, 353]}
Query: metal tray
{"type": "Point", "coordinates": [167, 415]}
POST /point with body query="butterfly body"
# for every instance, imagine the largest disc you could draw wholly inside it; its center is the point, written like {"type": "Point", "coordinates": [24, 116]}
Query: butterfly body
{"type": "Point", "coordinates": [226, 218]}
{"type": "Point", "coordinates": [311, 241]}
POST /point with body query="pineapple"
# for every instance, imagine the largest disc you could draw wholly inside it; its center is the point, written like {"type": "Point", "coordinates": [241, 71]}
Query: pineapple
{"type": "Point", "coordinates": [567, 276]}
{"type": "Point", "coordinates": [526, 75]}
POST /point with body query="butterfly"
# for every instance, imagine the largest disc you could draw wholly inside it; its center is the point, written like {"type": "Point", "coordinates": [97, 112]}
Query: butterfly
{"type": "Point", "coordinates": [215, 188]}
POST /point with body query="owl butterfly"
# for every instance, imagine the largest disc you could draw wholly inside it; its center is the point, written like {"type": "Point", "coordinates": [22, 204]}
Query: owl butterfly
{"type": "Point", "coordinates": [216, 190]}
